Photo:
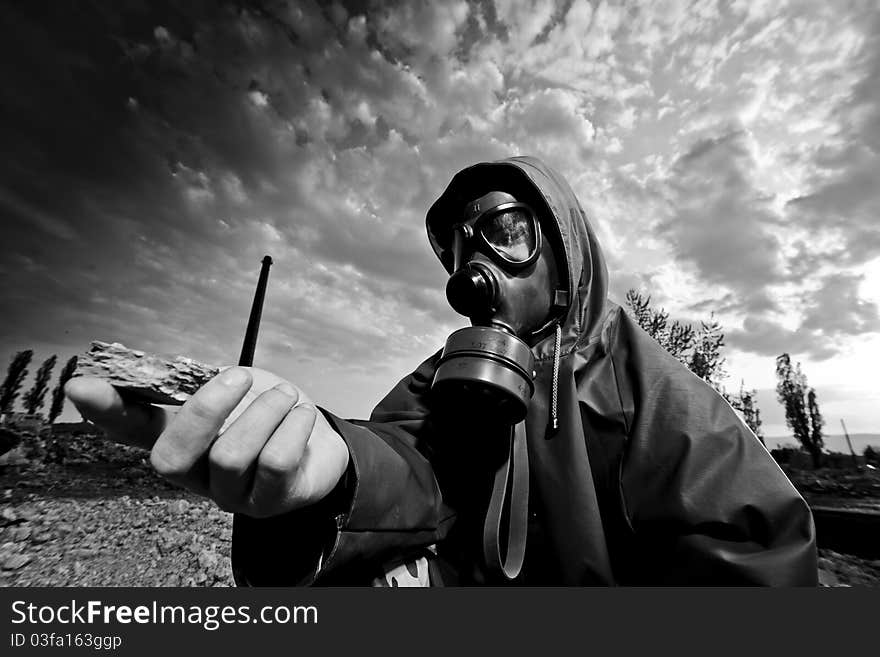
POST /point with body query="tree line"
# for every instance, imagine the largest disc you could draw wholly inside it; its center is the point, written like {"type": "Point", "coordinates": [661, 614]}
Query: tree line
{"type": "Point", "coordinates": [35, 398]}
{"type": "Point", "coordinates": [699, 348]}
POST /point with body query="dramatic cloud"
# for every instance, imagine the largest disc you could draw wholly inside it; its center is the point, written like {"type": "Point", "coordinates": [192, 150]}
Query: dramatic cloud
{"type": "Point", "coordinates": [728, 154]}
{"type": "Point", "coordinates": [721, 222]}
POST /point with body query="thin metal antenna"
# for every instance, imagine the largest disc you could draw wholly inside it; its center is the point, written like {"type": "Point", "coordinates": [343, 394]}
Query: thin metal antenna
{"type": "Point", "coordinates": [253, 327]}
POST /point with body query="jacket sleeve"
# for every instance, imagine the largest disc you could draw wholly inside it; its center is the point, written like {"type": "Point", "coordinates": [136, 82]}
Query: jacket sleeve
{"type": "Point", "coordinates": [705, 500]}
{"type": "Point", "coordinates": [386, 507]}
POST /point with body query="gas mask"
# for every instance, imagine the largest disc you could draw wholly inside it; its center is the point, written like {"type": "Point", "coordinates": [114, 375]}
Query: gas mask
{"type": "Point", "coordinates": [503, 279]}
{"type": "Point", "coordinates": [501, 283]}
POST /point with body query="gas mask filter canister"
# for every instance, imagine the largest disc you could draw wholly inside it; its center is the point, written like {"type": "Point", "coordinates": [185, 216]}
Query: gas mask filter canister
{"type": "Point", "coordinates": [486, 370]}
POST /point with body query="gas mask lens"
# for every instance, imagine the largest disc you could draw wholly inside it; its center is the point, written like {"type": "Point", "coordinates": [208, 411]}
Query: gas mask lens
{"type": "Point", "coordinates": [512, 233]}
{"type": "Point", "coordinates": [507, 233]}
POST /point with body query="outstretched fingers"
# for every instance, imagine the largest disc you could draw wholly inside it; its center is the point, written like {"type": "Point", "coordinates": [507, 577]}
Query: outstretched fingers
{"type": "Point", "coordinates": [180, 453]}
{"type": "Point", "coordinates": [234, 455]}
{"type": "Point", "coordinates": [279, 483]}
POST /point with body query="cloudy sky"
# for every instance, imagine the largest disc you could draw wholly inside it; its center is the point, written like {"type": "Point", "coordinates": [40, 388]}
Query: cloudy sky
{"type": "Point", "coordinates": [728, 152]}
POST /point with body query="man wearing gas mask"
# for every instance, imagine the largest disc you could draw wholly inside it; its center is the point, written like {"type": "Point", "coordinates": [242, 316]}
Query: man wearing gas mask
{"type": "Point", "coordinates": [551, 442]}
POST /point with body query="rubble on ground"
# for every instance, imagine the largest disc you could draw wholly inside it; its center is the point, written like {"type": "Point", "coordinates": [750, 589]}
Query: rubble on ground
{"type": "Point", "coordinates": [79, 510]}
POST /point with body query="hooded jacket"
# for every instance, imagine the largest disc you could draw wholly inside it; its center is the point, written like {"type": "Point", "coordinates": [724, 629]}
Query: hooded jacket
{"type": "Point", "coordinates": [651, 477]}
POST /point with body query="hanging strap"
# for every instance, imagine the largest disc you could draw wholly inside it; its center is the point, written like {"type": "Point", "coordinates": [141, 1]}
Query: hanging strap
{"type": "Point", "coordinates": [513, 474]}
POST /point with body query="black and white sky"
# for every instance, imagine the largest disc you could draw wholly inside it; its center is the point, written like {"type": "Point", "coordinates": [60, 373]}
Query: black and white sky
{"type": "Point", "coordinates": [153, 152]}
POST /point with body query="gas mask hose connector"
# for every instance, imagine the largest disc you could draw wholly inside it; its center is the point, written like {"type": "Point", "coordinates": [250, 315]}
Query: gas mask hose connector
{"type": "Point", "coordinates": [472, 291]}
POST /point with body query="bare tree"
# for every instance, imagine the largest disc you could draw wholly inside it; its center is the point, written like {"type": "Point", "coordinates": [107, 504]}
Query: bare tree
{"type": "Point", "coordinates": [58, 392]}
{"type": "Point", "coordinates": [33, 398]}
{"type": "Point", "coordinates": [15, 375]}
{"type": "Point", "coordinates": [676, 338]}
{"type": "Point", "coordinates": [816, 420]}
{"type": "Point", "coordinates": [706, 360]}
{"type": "Point", "coordinates": [699, 350]}
{"type": "Point", "coordinates": [746, 404]}
{"type": "Point", "coordinates": [791, 390]}
{"type": "Point", "coordinates": [640, 309]}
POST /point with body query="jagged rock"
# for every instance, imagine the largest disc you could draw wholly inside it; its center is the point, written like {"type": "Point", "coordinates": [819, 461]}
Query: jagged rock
{"type": "Point", "coordinates": [63, 529]}
{"type": "Point", "coordinates": [179, 506]}
{"type": "Point", "coordinates": [207, 560]}
{"type": "Point", "coordinates": [15, 561]}
{"type": "Point", "coordinates": [20, 534]}
{"type": "Point", "coordinates": [28, 515]}
{"type": "Point", "coordinates": [83, 553]}
{"type": "Point", "coordinates": [145, 376]}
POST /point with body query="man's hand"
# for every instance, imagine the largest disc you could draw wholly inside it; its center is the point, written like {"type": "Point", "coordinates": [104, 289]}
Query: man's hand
{"type": "Point", "coordinates": [247, 439]}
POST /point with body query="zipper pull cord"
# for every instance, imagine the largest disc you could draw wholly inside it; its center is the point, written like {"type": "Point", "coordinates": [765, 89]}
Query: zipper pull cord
{"type": "Point", "coordinates": [554, 407]}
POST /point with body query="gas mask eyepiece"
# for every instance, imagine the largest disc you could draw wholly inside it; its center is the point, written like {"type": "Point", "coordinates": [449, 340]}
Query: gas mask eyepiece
{"type": "Point", "coordinates": [502, 228]}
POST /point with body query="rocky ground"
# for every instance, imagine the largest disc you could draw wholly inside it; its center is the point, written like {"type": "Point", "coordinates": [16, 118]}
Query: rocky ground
{"type": "Point", "coordinates": [91, 513]}
{"type": "Point", "coordinates": [839, 488]}
{"type": "Point", "coordinates": [115, 541]}
{"type": "Point", "coordinates": [80, 511]}
{"type": "Point", "coordinates": [847, 570]}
